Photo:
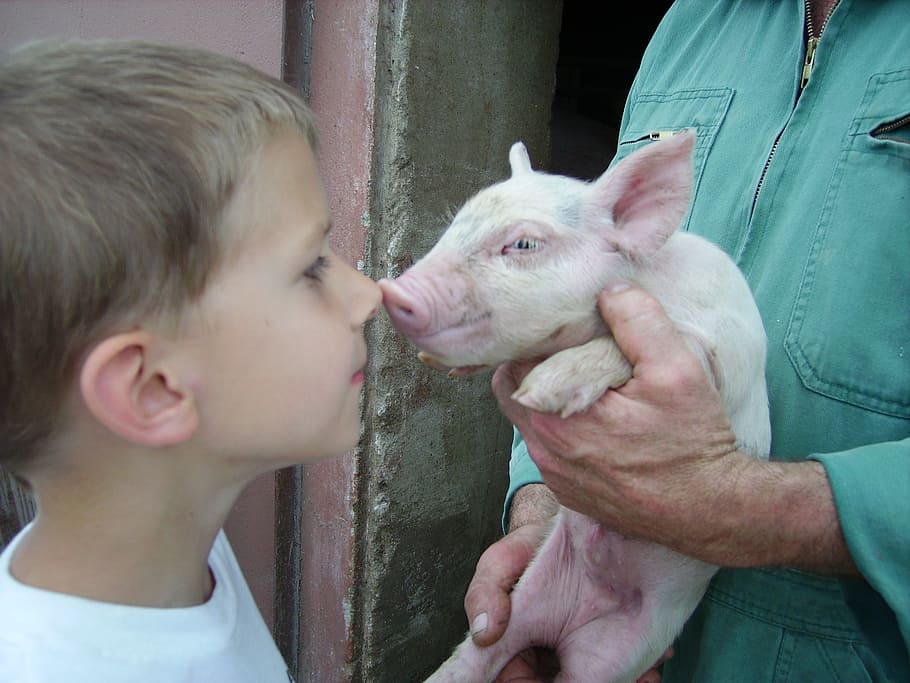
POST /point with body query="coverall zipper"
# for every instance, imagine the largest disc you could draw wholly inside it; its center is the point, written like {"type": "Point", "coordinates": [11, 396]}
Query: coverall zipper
{"type": "Point", "coordinates": [812, 41]}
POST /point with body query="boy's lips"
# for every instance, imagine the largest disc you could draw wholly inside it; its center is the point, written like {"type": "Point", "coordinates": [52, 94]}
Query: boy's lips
{"type": "Point", "coordinates": [360, 375]}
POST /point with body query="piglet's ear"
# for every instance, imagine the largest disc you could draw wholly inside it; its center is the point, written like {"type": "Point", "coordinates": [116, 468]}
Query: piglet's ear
{"type": "Point", "coordinates": [645, 196]}
{"type": "Point", "coordinates": [519, 159]}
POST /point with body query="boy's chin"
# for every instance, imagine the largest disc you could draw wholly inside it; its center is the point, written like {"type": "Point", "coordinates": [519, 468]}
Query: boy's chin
{"type": "Point", "coordinates": [343, 447]}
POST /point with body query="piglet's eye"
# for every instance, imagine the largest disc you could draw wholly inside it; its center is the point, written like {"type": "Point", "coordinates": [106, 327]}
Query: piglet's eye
{"type": "Point", "coordinates": [524, 244]}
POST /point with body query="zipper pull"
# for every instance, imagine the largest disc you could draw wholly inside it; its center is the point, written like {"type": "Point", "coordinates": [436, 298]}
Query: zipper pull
{"type": "Point", "coordinates": [809, 64]}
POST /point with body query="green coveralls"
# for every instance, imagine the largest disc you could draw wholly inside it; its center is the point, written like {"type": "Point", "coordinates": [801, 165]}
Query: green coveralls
{"type": "Point", "coordinates": [810, 194]}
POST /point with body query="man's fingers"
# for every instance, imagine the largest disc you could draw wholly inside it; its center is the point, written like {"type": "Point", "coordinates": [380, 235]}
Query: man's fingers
{"type": "Point", "coordinates": [507, 378]}
{"type": "Point", "coordinates": [487, 603]}
{"type": "Point", "coordinates": [653, 675]}
{"type": "Point", "coordinates": [504, 381]}
{"type": "Point", "coordinates": [488, 609]}
{"type": "Point", "coordinates": [522, 669]}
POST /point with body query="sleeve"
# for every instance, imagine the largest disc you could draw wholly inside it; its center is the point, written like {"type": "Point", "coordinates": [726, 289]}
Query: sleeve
{"type": "Point", "coordinates": [522, 471]}
{"type": "Point", "coordinates": [870, 487]}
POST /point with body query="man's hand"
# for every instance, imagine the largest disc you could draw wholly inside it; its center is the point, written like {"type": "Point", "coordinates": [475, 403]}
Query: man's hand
{"type": "Point", "coordinates": [646, 458]}
{"type": "Point", "coordinates": [536, 666]}
{"type": "Point", "coordinates": [656, 458]}
{"type": "Point", "coordinates": [487, 603]}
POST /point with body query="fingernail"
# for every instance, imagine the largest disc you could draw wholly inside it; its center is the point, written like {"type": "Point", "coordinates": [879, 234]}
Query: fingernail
{"type": "Point", "coordinates": [479, 625]}
{"type": "Point", "coordinates": [618, 286]}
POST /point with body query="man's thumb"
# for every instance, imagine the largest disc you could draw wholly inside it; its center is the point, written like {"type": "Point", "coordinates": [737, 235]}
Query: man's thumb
{"type": "Point", "coordinates": [638, 323]}
{"type": "Point", "coordinates": [487, 606]}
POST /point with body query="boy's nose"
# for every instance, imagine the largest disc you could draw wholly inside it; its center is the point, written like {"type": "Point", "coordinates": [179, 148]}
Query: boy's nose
{"type": "Point", "coordinates": [372, 298]}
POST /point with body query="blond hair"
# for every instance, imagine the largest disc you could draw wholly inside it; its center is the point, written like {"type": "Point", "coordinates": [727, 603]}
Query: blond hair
{"type": "Point", "coordinates": [117, 159]}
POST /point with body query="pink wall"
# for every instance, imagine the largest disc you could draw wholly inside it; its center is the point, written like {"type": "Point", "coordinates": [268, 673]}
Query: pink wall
{"type": "Point", "coordinates": [343, 74]}
{"type": "Point", "coordinates": [247, 29]}
{"type": "Point", "coordinates": [251, 30]}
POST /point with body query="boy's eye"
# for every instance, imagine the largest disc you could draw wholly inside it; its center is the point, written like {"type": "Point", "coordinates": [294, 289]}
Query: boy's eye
{"type": "Point", "coordinates": [317, 269]}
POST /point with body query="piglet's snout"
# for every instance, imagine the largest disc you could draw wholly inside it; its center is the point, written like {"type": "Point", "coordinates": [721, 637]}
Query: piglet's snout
{"type": "Point", "coordinates": [409, 313]}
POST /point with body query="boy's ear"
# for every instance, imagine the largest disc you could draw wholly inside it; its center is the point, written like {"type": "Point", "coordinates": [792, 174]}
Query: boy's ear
{"type": "Point", "coordinates": [135, 398]}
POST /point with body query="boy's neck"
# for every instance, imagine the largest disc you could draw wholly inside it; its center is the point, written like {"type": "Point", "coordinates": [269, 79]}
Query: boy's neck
{"type": "Point", "coordinates": [143, 542]}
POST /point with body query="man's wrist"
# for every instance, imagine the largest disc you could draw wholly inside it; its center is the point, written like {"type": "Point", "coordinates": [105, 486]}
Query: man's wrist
{"type": "Point", "coordinates": [532, 504]}
{"type": "Point", "coordinates": [781, 513]}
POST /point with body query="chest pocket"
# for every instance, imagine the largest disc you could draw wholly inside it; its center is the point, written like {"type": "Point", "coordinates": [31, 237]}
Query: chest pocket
{"type": "Point", "coordinates": [853, 343]}
{"type": "Point", "coordinates": [653, 115]}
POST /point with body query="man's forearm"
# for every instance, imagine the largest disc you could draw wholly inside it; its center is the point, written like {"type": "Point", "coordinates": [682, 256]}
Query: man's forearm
{"type": "Point", "coordinates": [766, 513]}
{"type": "Point", "coordinates": [793, 519]}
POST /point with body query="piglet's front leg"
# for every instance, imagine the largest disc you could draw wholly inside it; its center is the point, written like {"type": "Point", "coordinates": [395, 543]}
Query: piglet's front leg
{"type": "Point", "coordinates": [568, 382]}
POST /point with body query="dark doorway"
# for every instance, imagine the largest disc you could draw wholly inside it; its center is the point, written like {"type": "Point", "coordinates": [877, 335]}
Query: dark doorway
{"type": "Point", "coordinates": [600, 48]}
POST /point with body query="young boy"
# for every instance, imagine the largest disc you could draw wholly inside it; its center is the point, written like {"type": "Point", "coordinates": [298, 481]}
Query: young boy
{"type": "Point", "coordinates": [174, 323]}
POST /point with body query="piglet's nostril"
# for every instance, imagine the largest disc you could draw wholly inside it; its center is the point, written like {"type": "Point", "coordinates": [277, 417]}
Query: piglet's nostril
{"type": "Point", "coordinates": [403, 307]}
{"type": "Point", "coordinates": [403, 316]}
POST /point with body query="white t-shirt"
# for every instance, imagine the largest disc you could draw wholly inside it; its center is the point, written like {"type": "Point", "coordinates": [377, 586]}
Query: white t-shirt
{"type": "Point", "coordinates": [52, 637]}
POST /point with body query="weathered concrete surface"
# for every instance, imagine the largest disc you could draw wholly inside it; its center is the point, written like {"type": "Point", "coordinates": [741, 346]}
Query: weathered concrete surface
{"type": "Point", "coordinates": [456, 84]}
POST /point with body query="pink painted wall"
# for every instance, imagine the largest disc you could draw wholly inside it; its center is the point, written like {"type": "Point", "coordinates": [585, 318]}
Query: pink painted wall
{"type": "Point", "coordinates": [251, 30]}
{"type": "Point", "coordinates": [342, 87]}
{"type": "Point", "coordinates": [247, 29]}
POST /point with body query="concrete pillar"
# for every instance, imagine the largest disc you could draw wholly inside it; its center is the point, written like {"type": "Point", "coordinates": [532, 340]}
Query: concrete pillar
{"type": "Point", "coordinates": [456, 84]}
